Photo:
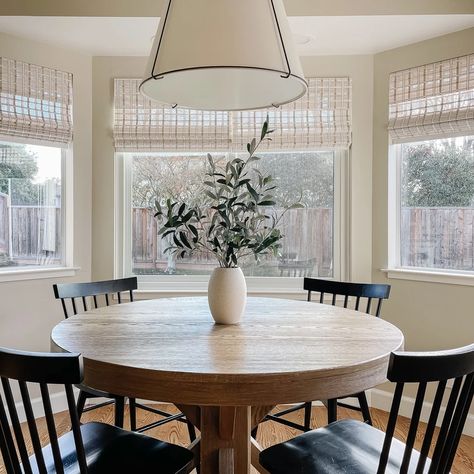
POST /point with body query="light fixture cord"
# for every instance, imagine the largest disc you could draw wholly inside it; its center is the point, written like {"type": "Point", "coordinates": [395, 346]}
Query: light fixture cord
{"type": "Point", "coordinates": [288, 74]}
{"type": "Point", "coordinates": [157, 76]}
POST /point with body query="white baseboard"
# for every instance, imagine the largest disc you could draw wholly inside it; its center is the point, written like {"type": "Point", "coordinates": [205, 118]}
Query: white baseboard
{"type": "Point", "coordinates": [58, 404]}
{"type": "Point", "coordinates": [383, 400]}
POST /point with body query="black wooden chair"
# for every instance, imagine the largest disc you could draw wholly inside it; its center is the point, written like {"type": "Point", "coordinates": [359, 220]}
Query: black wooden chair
{"type": "Point", "coordinates": [90, 295]}
{"type": "Point", "coordinates": [357, 448]}
{"type": "Point", "coordinates": [350, 291]}
{"type": "Point", "coordinates": [92, 448]}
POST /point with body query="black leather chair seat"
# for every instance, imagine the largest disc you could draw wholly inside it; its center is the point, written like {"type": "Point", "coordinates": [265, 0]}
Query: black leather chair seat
{"type": "Point", "coordinates": [111, 450]}
{"type": "Point", "coordinates": [346, 446]}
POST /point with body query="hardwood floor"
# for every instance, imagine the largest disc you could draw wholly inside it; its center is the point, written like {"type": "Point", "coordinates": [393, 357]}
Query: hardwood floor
{"type": "Point", "coordinates": [269, 433]}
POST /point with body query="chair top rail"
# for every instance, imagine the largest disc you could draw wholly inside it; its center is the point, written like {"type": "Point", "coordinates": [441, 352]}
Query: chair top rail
{"type": "Point", "coordinates": [363, 290]}
{"type": "Point", "coordinates": [40, 367]}
{"type": "Point", "coordinates": [412, 367]}
{"type": "Point", "coordinates": [94, 288]}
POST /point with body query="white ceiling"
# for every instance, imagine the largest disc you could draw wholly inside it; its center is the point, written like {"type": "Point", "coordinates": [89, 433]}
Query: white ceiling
{"type": "Point", "coordinates": [328, 35]}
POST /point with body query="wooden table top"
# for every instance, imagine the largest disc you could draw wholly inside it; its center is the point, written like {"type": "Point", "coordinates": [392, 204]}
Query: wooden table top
{"type": "Point", "coordinates": [282, 351]}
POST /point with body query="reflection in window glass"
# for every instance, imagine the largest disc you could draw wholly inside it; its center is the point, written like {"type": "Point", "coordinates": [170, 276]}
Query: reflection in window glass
{"type": "Point", "coordinates": [30, 206]}
{"type": "Point", "coordinates": [307, 246]}
{"type": "Point", "coordinates": [437, 204]}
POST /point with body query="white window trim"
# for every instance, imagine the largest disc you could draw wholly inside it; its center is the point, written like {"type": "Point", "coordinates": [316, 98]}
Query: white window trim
{"type": "Point", "coordinates": [394, 269]}
{"type": "Point", "coordinates": [431, 276]}
{"type": "Point", "coordinates": [65, 268]}
{"type": "Point", "coordinates": [38, 273]}
{"type": "Point", "coordinates": [197, 285]}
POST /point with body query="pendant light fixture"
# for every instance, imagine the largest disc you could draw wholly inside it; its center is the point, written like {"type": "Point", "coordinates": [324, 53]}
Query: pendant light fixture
{"type": "Point", "coordinates": [224, 55]}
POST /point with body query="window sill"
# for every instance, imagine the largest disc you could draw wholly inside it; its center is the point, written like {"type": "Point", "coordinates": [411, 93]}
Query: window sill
{"type": "Point", "coordinates": [172, 286]}
{"type": "Point", "coordinates": [431, 276]}
{"type": "Point", "coordinates": [37, 273]}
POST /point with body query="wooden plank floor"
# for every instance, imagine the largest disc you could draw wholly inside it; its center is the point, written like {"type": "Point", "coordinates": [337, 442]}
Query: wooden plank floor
{"type": "Point", "coordinates": [269, 433]}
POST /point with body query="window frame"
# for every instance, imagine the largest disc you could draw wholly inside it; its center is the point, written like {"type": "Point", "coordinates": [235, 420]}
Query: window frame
{"type": "Point", "coordinates": [197, 284]}
{"type": "Point", "coordinates": [394, 268]}
{"type": "Point", "coordinates": [66, 266]}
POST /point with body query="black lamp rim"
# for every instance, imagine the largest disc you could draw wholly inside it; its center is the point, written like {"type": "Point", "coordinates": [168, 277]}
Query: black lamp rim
{"type": "Point", "coordinates": [283, 74]}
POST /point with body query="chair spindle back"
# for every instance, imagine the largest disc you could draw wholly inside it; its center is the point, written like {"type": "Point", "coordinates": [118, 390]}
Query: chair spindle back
{"type": "Point", "coordinates": [92, 290]}
{"type": "Point", "coordinates": [370, 291]}
{"type": "Point", "coordinates": [40, 369]}
{"type": "Point", "coordinates": [423, 369]}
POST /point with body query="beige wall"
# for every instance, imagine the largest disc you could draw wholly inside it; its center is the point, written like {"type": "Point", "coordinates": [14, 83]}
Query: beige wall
{"type": "Point", "coordinates": [359, 179]}
{"type": "Point", "coordinates": [359, 194]}
{"type": "Point", "coordinates": [431, 315]}
{"type": "Point", "coordinates": [28, 310]}
{"type": "Point", "coordinates": [104, 70]}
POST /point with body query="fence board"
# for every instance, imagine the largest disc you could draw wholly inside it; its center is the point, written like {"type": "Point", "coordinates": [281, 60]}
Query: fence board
{"type": "Point", "coordinates": [28, 233]}
{"type": "Point", "coordinates": [308, 233]}
{"type": "Point", "coordinates": [439, 237]}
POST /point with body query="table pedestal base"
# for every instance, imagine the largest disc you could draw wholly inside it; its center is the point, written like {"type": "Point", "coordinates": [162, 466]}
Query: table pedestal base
{"type": "Point", "coordinates": [226, 445]}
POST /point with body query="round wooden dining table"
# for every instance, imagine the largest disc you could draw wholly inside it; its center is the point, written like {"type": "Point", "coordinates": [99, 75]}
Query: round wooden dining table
{"type": "Point", "coordinates": [225, 379]}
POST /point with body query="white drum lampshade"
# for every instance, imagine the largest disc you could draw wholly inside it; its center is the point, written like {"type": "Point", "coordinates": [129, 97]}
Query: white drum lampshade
{"type": "Point", "coordinates": [224, 55]}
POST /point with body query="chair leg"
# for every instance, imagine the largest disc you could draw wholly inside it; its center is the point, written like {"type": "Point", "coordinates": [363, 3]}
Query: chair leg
{"type": "Point", "coordinates": [364, 406]}
{"type": "Point", "coordinates": [119, 411]}
{"type": "Point", "coordinates": [133, 414]}
{"type": "Point", "coordinates": [307, 416]}
{"type": "Point", "coordinates": [81, 402]}
{"type": "Point", "coordinates": [332, 410]}
{"type": "Point", "coordinates": [191, 431]}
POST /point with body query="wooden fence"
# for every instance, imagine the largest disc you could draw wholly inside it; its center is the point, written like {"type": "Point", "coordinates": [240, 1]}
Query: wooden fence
{"type": "Point", "coordinates": [438, 237]}
{"type": "Point", "coordinates": [308, 235]}
{"type": "Point", "coordinates": [35, 234]}
{"type": "Point", "coordinates": [431, 237]}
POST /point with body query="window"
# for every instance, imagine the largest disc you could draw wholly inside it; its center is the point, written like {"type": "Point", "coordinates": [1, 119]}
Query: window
{"type": "Point", "coordinates": [431, 177]}
{"type": "Point", "coordinates": [308, 243]}
{"type": "Point", "coordinates": [160, 151]}
{"type": "Point", "coordinates": [35, 130]}
{"type": "Point", "coordinates": [436, 204]}
{"type": "Point", "coordinates": [31, 206]}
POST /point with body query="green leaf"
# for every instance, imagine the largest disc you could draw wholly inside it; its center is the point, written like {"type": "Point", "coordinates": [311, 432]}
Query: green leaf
{"type": "Point", "coordinates": [177, 242]}
{"type": "Point", "coordinates": [184, 239]}
{"type": "Point", "coordinates": [252, 191]}
{"type": "Point", "coordinates": [211, 195]}
{"type": "Point", "coordinates": [296, 205]}
{"type": "Point", "coordinates": [267, 203]}
{"type": "Point", "coordinates": [253, 144]}
{"type": "Point", "coordinates": [193, 230]}
{"type": "Point", "coordinates": [264, 129]}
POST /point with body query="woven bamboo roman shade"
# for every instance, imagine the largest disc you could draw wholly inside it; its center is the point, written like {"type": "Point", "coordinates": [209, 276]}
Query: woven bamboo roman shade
{"type": "Point", "coordinates": [35, 103]}
{"type": "Point", "coordinates": [432, 101]}
{"type": "Point", "coordinates": [143, 125]}
{"type": "Point", "coordinates": [320, 119]}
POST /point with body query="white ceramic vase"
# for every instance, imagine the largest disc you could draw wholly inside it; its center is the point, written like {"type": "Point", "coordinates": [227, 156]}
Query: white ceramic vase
{"type": "Point", "coordinates": [227, 295]}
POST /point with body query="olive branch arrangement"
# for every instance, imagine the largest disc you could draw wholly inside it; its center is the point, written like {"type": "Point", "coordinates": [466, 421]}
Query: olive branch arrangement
{"type": "Point", "coordinates": [232, 219]}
